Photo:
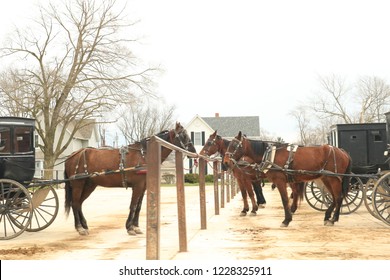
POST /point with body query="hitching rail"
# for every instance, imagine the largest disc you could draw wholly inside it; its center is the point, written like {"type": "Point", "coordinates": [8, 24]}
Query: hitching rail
{"type": "Point", "coordinates": [308, 172]}
{"type": "Point", "coordinates": [80, 176]}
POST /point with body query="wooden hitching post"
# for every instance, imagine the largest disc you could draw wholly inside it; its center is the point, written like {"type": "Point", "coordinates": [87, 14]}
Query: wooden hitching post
{"type": "Point", "coordinates": [181, 205]}
{"type": "Point", "coordinates": [202, 193]}
{"type": "Point", "coordinates": [153, 177]}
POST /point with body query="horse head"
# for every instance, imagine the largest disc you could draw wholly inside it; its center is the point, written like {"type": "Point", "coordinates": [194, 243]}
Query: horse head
{"type": "Point", "coordinates": [212, 145]}
{"type": "Point", "coordinates": [234, 151]}
{"type": "Point", "coordinates": [182, 139]}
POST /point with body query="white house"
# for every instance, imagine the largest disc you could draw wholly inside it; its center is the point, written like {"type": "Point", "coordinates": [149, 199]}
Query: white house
{"type": "Point", "coordinates": [88, 136]}
{"type": "Point", "coordinates": [200, 128]}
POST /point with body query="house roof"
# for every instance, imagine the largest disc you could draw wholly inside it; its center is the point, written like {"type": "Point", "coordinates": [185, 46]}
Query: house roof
{"type": "Point", "coordinates": [230, 126]}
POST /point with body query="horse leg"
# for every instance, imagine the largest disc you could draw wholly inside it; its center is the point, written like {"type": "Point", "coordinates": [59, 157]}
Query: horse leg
{"type": "Point", "coordinates": [87, 190]}
{"type": "Point", "coordinates": [282, 187]}
{"type": "Point", "coordinates": [135, 207]}
{"type": "Point", "coordinates": [79, 220]}
{"type": "Point", "coordinates": [294, 196]}
{"type": "Point", "coordinates": [244, 195]}
{"type": "Point", "coordinates": [136, 215]}
{"type": "Point", "coordinates": [241, 183]}
{"type": "Point", "coordinates": [336, 213]}
{"type": "Point", "coordinates": [337, 198]}
{"type": "Point", "coordinates": [259, 193]}
{"type": "Point", "coordinates": [251, 194]}
{"type": "Point", "coordinates": [328, 212]}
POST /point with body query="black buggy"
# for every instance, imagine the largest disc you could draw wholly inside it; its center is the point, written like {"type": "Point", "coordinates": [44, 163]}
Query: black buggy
{"type": "Point", "coordinates": [24, 206]}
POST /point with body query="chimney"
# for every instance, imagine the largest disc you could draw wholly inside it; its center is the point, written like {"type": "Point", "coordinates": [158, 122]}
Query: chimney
{"type": "Point", "coordinates": [217, 115]}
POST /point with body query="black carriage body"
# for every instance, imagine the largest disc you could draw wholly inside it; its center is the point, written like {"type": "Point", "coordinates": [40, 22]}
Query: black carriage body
{"type": "Point", "coordinates": [365, 143]}
{"type": "Point", "coordinates": [388, 127]}
{"type": "Point", "coordinates": [17, 152]}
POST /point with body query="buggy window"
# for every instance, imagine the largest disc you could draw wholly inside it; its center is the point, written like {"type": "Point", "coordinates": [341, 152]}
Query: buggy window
{"type": "Point", "coordinates": [5, 138]}
{"type": "Point", "coordinates": [23, 139]}
{"type": "Point", "coordinates": [377, 135]}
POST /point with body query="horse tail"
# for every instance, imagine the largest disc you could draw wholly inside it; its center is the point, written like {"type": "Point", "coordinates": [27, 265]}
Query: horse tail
{"type": "Point", "coordinates": [68, 194]}
{"type": "Point", "coordinates": [301, 190]}
{"type": "Point", "coordinates": [346, 179]}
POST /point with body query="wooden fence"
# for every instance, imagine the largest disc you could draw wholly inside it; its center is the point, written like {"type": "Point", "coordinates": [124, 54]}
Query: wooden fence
{"type": "Point", "coordinates": [153, 181]}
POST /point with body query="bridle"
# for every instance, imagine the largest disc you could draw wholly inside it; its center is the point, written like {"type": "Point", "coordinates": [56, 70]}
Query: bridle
{"type": "Point", "coordinates": [237, 145]}
{"type": "Point", "coordinates": [180, 137]}
{"type": "Point", "coordinates": [210, 143]}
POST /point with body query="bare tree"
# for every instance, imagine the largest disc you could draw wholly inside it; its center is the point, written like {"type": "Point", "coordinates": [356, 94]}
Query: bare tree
{"type": "Point", "coordinates": [308, 134]}
{"type": "Point", "coordinates": [338, 102]}
{"type": "Point", "coordinates": [303, 123]}
{"type": "Point", "coordinates": [365, 102]}
{"type": "Point", "coordinates": [374, 97]}
{"type": "Point", "coordinates": [71, 65]}
{"type": "Point", "coordinates": [143, 119]}
{"type": "Point", "coordinates": [331, 101]}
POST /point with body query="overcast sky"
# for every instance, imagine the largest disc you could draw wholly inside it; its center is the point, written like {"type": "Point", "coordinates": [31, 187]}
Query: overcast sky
{"type": "Point", "coordinates": [252, 57]}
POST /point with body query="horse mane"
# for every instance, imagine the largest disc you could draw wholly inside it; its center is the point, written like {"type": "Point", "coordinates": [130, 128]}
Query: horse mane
{"type": "Point", "coordinates": [258, 146]}
{"type": "Point", "coordinates": [226, 143]}
{"type": "Point", "coordinates": [163, 135]}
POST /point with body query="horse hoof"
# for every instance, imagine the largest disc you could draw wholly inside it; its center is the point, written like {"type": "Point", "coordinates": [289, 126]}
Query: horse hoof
{"type": "Point", "coordinates": [284, 225]}
{"type": "Point", "coordinates": [262, 205]}
{"type": "Point", "coordinates": [253, 213]}
{"type": "Point", "coordinates": [328, 223]}
{"type": "Point", "coordinates": [242, 214]}
{"type": "Point", "coordinates": [138, 230]}
{"type": "Point", "coordinates": [83, 232]}
{"type": "Point", "coordinates": [131, 232]}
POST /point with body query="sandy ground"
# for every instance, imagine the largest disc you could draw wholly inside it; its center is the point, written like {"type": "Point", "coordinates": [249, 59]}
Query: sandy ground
{"type": "Point", "coordinates": [357, 236]}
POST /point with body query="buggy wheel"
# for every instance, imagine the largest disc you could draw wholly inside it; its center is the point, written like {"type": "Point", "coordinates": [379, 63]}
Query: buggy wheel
{"type": "Point", "coordinates": [317, 196]}
{"type": "Point", "coordinates": [381, 198]}
{"type": "Point", "coordinates": [354, 197]}
{"type": "Point", "coordinates": [15, 209]}
{"type": "Point", "coordinates": [45, 208]}
{"type": "Point", "coordinates": [367, 196]}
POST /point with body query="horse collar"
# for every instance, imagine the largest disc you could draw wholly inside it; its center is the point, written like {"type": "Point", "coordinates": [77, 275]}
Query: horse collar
{"type": "Point", "coordinates": [268, 159]}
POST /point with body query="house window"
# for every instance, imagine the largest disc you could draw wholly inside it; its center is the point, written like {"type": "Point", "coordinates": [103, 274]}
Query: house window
{"type": "Point", "coordinates": [36, 141]}
{"type": "Point", "coordinates": [197, 138]}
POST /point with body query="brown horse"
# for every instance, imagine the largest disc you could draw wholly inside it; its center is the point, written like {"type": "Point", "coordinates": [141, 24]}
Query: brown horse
{"type": "Point", "coordinates": [283, 163]}
{"type": "Point", "coordinates": [89, 161]}
{"type": "Point", "coordinates": [246, 177]}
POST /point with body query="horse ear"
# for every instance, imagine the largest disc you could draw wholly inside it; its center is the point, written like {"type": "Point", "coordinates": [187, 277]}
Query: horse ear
{"type": "Point", "coordinates": [239, 135]}
{"type": "Point", "coordinates": [215, 133]}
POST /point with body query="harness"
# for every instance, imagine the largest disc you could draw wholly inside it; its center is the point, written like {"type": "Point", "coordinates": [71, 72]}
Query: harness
{"type": "Point", "coordinates": [123, 151]}
{"type": "Point", "coordinates": [292, 148]}
{"type": "Point", "coordinates": [269, 156]}
{"type": "Point", "coordinates": [268, 159]}
{"type": "Point", "coordinates": [122, 163]}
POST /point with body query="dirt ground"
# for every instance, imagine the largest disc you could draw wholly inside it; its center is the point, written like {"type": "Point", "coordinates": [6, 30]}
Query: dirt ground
{"type": "Point", "coordinates": [357, 236]}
